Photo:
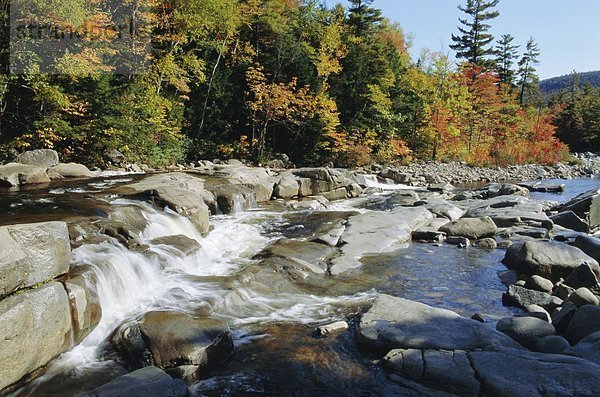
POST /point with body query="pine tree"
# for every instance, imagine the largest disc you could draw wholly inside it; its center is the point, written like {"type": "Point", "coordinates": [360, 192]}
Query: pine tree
{"type": "Point", "coordinates": [505, 59]}
{"type": "Point", "coordinates": [528, 78]}
{"type": "Point", "coordinates": [363, 17]}
{"type": "Point", "coordinates": [473, 42]}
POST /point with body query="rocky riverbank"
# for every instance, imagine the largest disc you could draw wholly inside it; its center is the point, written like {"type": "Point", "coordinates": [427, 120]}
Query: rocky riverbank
{"type": "Point", "coordinates": [163, 220]}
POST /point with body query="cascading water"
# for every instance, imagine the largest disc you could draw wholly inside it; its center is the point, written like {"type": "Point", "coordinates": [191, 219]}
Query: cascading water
{"type": "Point", "coordinates": [131, 283]}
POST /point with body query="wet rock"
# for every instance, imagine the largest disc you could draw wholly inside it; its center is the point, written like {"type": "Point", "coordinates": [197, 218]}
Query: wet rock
{"type": "Point", "coordinates": [583, 296]}
{"type": "Point", "coordinates": [543, 186]}
{"type": "Point", "coordinates": [541, 284]}
{"type": "Point", "coordinates": [472, 228]}
{"type": "Point", "coordinates": [86, 310]}
{"type": "Point", "coordinates": [32, 253]}
{"type": "Point", "coordinates": [232, 199]}
{"type": "Point", "coordinates": [184, 194]}
{"type": "Point", "coordinates": [314, 203]}
{"type": "Point", "coordinates": [552, 344]}
{"type": "Point", "coordinates": [588, 244]}
{"type": "Point", "coordinates": [184, 244]}
{"type": "Point", "coordinates": [585, 321]}
{"type": "Point", "coordinates": [172, 339]}
{"type": "Point", "coordinates": [586, 206]}
{"type": "Point", "coordinates": [337, 194]}
{"type": "Point", "coordinates": [286, 188]}
{"type": "Point", "coordinates": [354, 190]}
{"type": "Point", "coordinates": [525, 330]}
{"type": "Point", "coordinates": [488, 244]}
{"type": "Point", "coordinates": [510, 372]}
{"type": "Point", "coordinates": [43, 158]}
{"type": "Point", "coordinates": [447, 371]}
{"type": "Point", "coordinates": [523, 297]}
{"type": "Point", "coordinates": [504, 189]}
{"type": "Point", "coordinates": [547, 259]}
{"type": "Point", "coordinates": [258, 179]}
{"type": "Point", "coordinates": [332, 328]}
{"type": "Point", "coordinates": [376, 232]}
{"type": "Point", "coordinates": [332, 236]}
{"type": "Point", "coordinates": [588, 348]}
{"type": "Point", "coordinates": [311, 255]}
{"type": "Point", "coordinates": [441, 187]}
{"type": "Point", "coordinates": [396, 323]}
{"type": "Point", "coordinates": [149, 381]}
{"type": "Point", "coordinates": [570, 220]}
{"type": "Point", "coordinates": [72, 170]}
{"type": "Point", "coordinates": [35, 327]}
{"type": "Point", "coordinates": [13, 175]}
{"type": "Point", "coordinates": [462, 242]}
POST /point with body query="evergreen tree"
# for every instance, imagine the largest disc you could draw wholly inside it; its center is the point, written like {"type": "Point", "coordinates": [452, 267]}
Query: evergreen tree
{"type": "Point", "coordinates": [528, 79]}
{"type": "Point", "coordinates": [473, 42]}
{"type": "Point", "coordinates": [506, 55]}
{"type": "Point", "coordinates": [363, 17]}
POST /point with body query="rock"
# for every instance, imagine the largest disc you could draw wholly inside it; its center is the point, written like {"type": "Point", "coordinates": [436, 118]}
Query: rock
{"type": "Point", "coordinates": [396, 323]}
{"type": "Point", "coordinates": [504, 189]}
{"type": "Point", "coordinates": [541, 284]}
{"type": "Point", "coordinates": [310, 255]}
{"type": "Point", "coordinates": [324, 179]}
{"type": "Point", "coordinates": [462, 242]}
{"type": "Point", "coordinates": [232, 199]}
{"type": "Point", "coordinates": [440, 187]}
{"type": "Point", "coordinates": [584, 276]}
{"type": "Point", "coordinates": [86, 310]}
{"type": "Point", "coordinates": [354, 190]}
{"type": "Point", "coordinates": [487, 244]}
{"type": "Point", "coordinates": [562, 316]}
{"type": "Point", "coordinates": [472, 228]}
{"type": "Point", "coordinates": [510, 372]}
{"type": "Point", "coordinates": [543, 186]}
{"type": "Point", "coordinates": [376, 232]}
{"type": "Point", "coordinates": [314, 203]}
{"type": "Point", "coordinates": [184, 244]}
{"type": "Point", "coordinates": [586, 206]}
{"type": "Point", "coordinates": [539, 312]}
{"type": "Point", "coordinates": [43, 158]}
{"type": "Point", "coordinates": [35, 327]}
{"type": "Point", "coordinates": [523, 297]}
{"type": "Point", "coordinates": [588, 244]}
{"type": "Point", "coordinates": [332, 328]}
{"type": "Point", "coordinates": [583, 296]}
{"type": "Point", "coordinates": [173, 339]}
{"type": "Point", "coordinates": [563, 291]}
{"type": "Point", "coordinates": [32, 253]}
{"type": "Point", "coordinates": [337, 194]}
{"type": "Point", "coordinates": [585, 321]}
{"type": "Point", "coordinates": [115, 157]}
{"type": "Point", "coordinates": [13, 175]}
{"type": "Point", "coordinates": [570, 220]}
{"type": "Point", "coordinates": [331, 237]}
{"type": "Point", "coordinates": [552, 344]}
{"type": "Point", "coordinates": [525, 330]}
{"type": "Point", "coordinates": [478, 317]}
{"type": "Point", "coordinates": [257, 179]}
{"type": "Point", "coordinates": [547, 259]}
{"type": "Point", "coordinates": [72, 170]}
{"type": "Point", "coordinates": [149, 381]}
{"type": "Point", "coordinates": [395, 175]}
{"type": "Point", "coordinates": [588, 348]}
{"type": "Point", "coordinates": [286, 188]}
{"type": "Point", "coordinates": [442, 208]}
{"type": "Point", "coordinates": [184, 194]}
{"type": "Point", "coordinates": [447, 371]}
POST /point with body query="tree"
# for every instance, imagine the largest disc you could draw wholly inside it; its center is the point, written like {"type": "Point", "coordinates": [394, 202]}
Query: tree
{"type": "Point", "coordinates": [473, 42]}
{"type": "Point", "coordinates": [363, 17]}
{"type": "Point", "coordinates": [528, 78]}
{"type": "Point", "coordinates": [505, 59]}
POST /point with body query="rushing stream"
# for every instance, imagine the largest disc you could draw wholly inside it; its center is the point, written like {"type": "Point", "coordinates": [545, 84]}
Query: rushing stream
{"type": "Point", "coordinates": [276, 352]}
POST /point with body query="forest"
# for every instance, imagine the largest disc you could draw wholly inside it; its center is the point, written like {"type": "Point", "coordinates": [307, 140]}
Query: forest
{"type": "Point", "coordinates": [250, 79]}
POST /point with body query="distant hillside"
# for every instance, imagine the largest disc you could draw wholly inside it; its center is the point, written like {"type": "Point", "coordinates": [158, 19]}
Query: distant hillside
{"type": "Point", "coordinates": [556, 84]}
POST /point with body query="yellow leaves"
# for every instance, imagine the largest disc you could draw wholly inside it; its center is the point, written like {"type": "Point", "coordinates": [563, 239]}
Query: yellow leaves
{"type": "Point", "coordinates": [331, 52]}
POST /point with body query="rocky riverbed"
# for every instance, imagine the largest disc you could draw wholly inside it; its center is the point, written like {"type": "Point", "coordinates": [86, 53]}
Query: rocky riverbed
{"type": "Point", "coordinates": [222, 279]}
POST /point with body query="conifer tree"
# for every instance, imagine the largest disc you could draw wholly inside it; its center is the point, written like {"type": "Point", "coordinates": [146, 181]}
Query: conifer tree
{"type": "Point", "coordinates": [505, 58]}
{"type": "Point", "coordinates": [363, 17]}
{"type": "Point", "coordinates": [527, 75]}
{"type": "Point", "coordinates": [473, 42]}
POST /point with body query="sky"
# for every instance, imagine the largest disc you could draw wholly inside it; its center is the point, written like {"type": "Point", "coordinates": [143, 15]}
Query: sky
{"type": "Point", "coordinates": [567, 31]}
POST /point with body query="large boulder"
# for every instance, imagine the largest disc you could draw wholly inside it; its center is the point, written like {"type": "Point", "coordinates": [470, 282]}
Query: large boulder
{"type": "Point", "coordinates": [149, 381]}
{"type": "Point", "coordinates": [43, 158]}
{"type": "Point", "coordinates": [323, 179]}
{"type": "Point", "coordinates": [396, 323]}
{"type": "Point", "coordinates": [547, 259]}
{"type": "Point", "coordinates": [185, 346]}
{"type": "Point", "coordinates": [473, 228]}
{"type": "Point", "coordinates": [508, 372]}
{"type": "Point", "coordinates": [35, 327]}
{"type": "Point", "coordinates": [588, 348]}
{"type": "Point", "coordinates": [586, 206]}
{"type": "Point", "coordinates": [232, 199]}
{"type": "Point", "coordinates": [585, 321]}
{"type": "Point", "coordinates": [257, 179]}
{"type": "Point", "coordinates": [183, 193]}
{"type": "Point", "coordinates": [32, 253]}
{"type": "Point", "coordinates": [588, 244]}
{"type": "Point", "coordinates": [13, 175]}
{"type": "Point", "coordinates": [526, 330]}
{"type": "Point", "coordinates": [376, 232]}
{"type": "Point", "coordinates": [72, 170]}
{"type": "Point", "coordinates": [286, 188]}
{"type": "Point", "coordinates": [570, 220]}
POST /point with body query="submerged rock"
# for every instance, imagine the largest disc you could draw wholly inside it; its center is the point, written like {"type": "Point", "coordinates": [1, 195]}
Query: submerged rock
{"type": "Point", "coordinates": [396, 323]}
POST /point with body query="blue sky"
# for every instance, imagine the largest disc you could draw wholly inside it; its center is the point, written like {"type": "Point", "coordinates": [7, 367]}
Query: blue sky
{"type": "Point", "coordinates": [567, 31]}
